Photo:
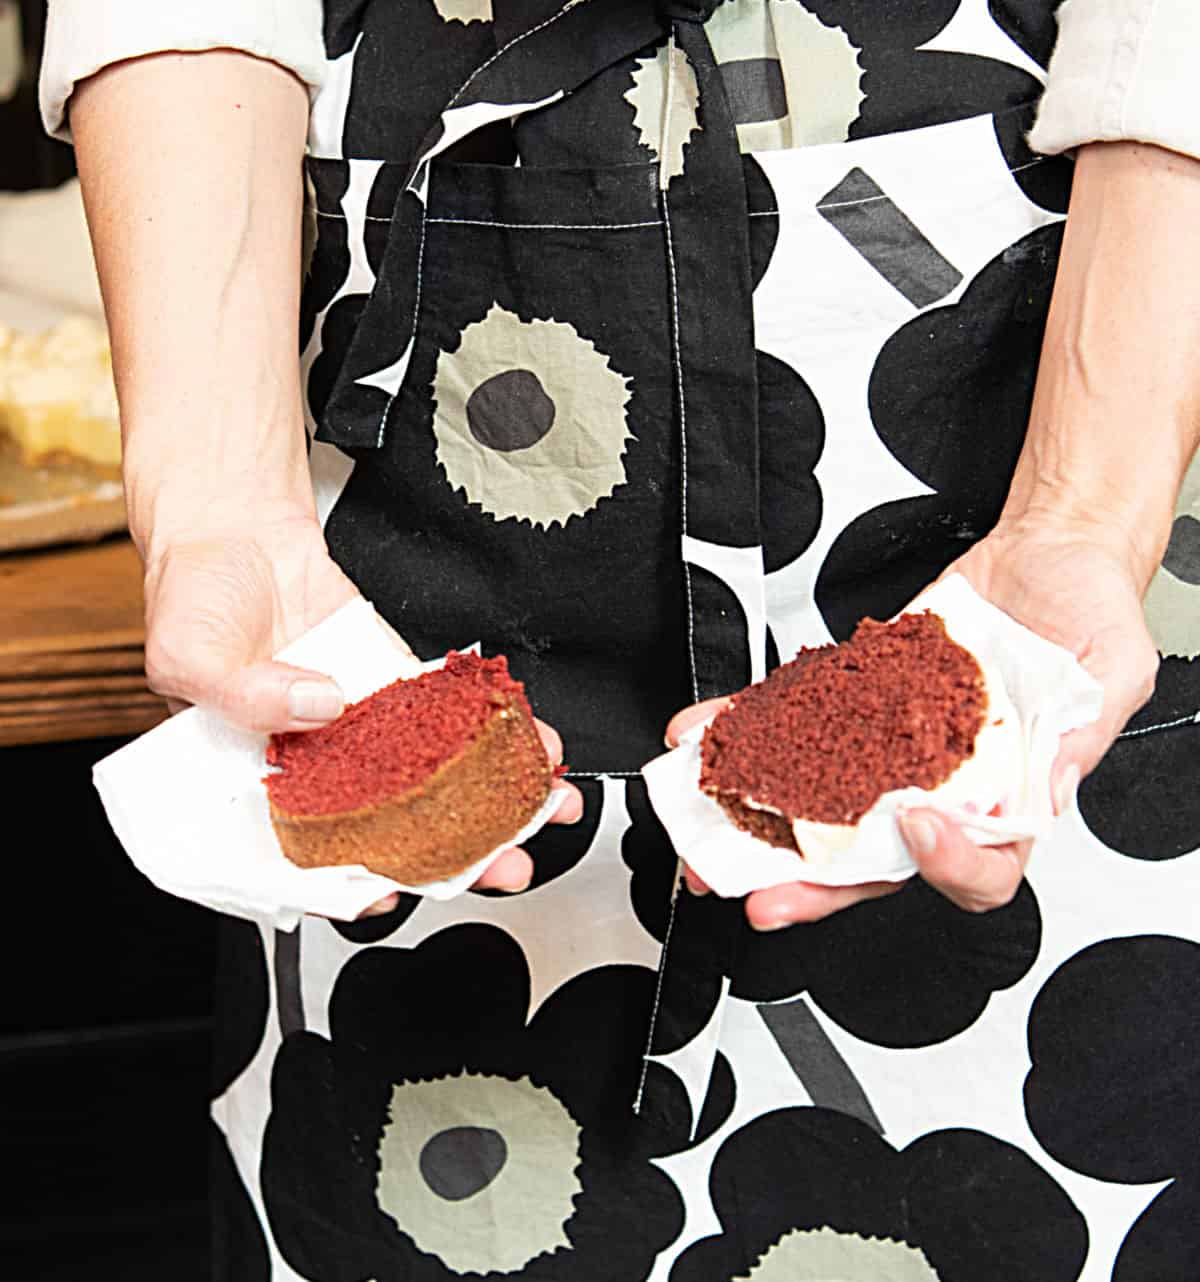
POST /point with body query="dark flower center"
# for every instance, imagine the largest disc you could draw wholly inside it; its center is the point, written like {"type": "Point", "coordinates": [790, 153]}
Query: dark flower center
{"type": "Point", "coordinates": [462, 1160]}
{"type": "Point", "coordinates": [510, 411]}
{"type": "Point", "coordinates": [1182, 556]}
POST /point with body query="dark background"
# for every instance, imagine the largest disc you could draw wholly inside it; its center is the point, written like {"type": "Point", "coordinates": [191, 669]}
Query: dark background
{"type": "Point", "coordinates": [106, 1018]}
{"type": "Point", "coordinates": [27, 157]}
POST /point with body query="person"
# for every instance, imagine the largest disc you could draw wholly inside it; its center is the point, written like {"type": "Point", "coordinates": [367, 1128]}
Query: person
{"type": "Point", "coordinates": [648, 343]}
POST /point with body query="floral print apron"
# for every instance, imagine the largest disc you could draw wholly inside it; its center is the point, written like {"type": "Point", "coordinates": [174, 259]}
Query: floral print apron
{"type": "Point", "coordinates": [645, 344]}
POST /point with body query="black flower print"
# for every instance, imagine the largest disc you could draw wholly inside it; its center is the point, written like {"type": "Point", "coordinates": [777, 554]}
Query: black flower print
{"type": "Point", "coordinates": [1114, 1036]}
{"type": "Point", "coordinates": [907, 970]}
{"type": "Point", "coordinates": [242, 998]}
{"type": "Point", "coordinates": [1029, 23]}
{"type": "Point", "coordinates": [456, 1135]}
{"type": "Point", "coordinates": [1143, 799]}
{"type": "Point", "coordinates": [762, 209]}
{"type": "Point", "coordinates": [806, 1194]}
{"type": "Point", "coordinates": [907, 87]}
{"type": "Point", "coordinates": [559, 847]}
{"type": "Point", "coordinates": [238, 1241]}
{"type": "Point", "coordinates": [590, 127]}
{"type": "Point", "coordinates": [341, 323]}
{"type": "Point", "coordinates": [533, 431]}
{"type": "Point", "coordinates": [329, 266]}
{"type": "Point", "coordinates": [665, 1105]}
{"type": "Point", "coordinates": [1045, 180]}
{"type": "Point", "coordinates": [380, 121]}
{"type": "Point", "coordinates": [530, 419]}
{"type": "Point", "coordinates": [370, 930]}
{"type": "Point", "coordinates": [651, 858]}
{"type": "Point", "coordinates": [949, 396]}
{"type": "Point", "coordinates": [792, 436]}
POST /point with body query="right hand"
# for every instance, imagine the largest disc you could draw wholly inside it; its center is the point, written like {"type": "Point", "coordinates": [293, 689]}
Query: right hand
{"type": "Point", "coordinates": [219, 604]}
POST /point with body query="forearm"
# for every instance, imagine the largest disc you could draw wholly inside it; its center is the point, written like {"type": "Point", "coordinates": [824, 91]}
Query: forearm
{"type": "Point", "coordinates": [191, 167]}
{"type": "Point", "coordinates": [1116, 413]}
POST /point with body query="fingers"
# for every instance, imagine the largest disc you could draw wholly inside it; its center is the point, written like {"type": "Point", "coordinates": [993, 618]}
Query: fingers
{"type": "Point", "coordinates": [800, 901]}
{"type": "Point", "coordinates": [512, 871]}
{"type": "Point", "coordinates": [1064, 780]}
{"type": "Point", "coordinates": [551, 741]}
{"type": "Point", "coordinates": [380, 907]}
{"type": "Point", "coordinates": [694, 882]}
{"type": "Point", "coordinates": [1125, 662]}
{"type": "Point", "coordinates": [1083, 748]}
{"type": "Point", "coordinates": [683, 721]}
{"type": "Point", "coordinates": [976, 878]}
{"type": "Point", "coordinates": [570, 809]}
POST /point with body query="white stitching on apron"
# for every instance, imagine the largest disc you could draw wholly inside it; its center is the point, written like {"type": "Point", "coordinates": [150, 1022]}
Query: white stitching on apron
{"type": "Point", "coordinates": [676, 360]}
{"type": "Point", "coordinates": [1192, 719]}
{"type": "Point", "coordinates": [662, 968]}
{"type": "Point", "coordinates": [483, 222]}
{"type": "Point", "coordinates": [554, 17]}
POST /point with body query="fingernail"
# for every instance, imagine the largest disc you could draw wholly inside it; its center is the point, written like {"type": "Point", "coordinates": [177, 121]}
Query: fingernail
{"type": "Point", "coordinates": [516, 890]}
{"type": "Point", "coordinates": [1065, 789]}
{"type": "Point", "coordinates": [695, 890]}
{"type": "Point", "coordinates": [314, 701]}
{"type": "Point", "coordinates": [765, 928]}
{"type": "Point", "coordinates": [920, 835]}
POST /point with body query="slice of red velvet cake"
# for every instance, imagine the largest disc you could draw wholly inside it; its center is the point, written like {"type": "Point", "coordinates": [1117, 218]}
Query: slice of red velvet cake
{"type": "Point", "coordinates": [416, 782]}
{"type": "Point", "coordinates": [825, 736]}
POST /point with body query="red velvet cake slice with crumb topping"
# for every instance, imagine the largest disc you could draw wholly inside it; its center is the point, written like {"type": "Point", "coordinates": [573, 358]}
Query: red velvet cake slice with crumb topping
{"type": "Point", "coordinates": [416, 782]}
{"type": "Point", "coordinates": [825, 736]}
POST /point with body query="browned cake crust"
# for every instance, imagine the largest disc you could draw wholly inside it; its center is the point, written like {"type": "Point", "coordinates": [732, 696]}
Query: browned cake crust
{"type": "Point", "coordinates": [775, 830]}
{"type": "Point", "coordinates": [474, 802]}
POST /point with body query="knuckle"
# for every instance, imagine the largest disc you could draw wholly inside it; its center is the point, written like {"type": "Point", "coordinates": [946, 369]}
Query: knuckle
{"type": "Point", "coordinates": [991, 900]}
{"type": "Point", "coordinates": [1147, 672]}
{"type": "Point", "coordinates": [977, 905]}
{"type": "Point", "coordinates": [171, 667]}
{"type": "Point", "coordinates": [163, 666]}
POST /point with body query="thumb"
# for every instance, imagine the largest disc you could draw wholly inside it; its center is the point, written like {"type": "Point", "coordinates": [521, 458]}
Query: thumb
{"type": "Point", "coordinates": [1127, 674]}
{"type": "Point", "coordinates": [691, 716]}
{"type": "Point", "coordinates": [262, 695]}
{"type": "Point", "coordinates": [273, 697]}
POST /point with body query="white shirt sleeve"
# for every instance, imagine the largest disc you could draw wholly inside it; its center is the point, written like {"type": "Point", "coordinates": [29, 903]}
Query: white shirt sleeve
{"type": "Point", "coordinates": [1123, 69]}
{"type": "Point", "coordinates": [82, 36]}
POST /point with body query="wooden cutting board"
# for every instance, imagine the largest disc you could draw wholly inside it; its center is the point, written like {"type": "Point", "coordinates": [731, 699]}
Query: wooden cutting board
{"type": "Point", "coordinates": [71, 600]}
{"type": "Point", "coordinates": [71, 637]}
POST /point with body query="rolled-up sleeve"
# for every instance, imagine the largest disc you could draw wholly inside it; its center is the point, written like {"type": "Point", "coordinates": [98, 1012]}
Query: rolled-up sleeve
{"type": "Point", "coordinates": [1123, 70]}
{"type": "Point", "coordinates": [82, 36]}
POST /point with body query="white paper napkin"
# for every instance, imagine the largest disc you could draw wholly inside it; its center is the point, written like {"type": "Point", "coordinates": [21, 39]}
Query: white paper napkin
{"type": "Point", "coordinates": [1051, 693]}
{"type": "Point", "coordinates": [187, 800]}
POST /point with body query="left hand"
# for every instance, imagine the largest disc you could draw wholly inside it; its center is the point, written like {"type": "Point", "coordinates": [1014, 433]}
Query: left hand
{"type": "Point", "coordinates": [1071, 583]}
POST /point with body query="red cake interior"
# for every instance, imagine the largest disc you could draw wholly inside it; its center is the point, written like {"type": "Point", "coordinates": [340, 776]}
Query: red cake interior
{"type": "Point", "coordinates": [392, 740]}
{"type": "Point", "coordinates": [825, 736]}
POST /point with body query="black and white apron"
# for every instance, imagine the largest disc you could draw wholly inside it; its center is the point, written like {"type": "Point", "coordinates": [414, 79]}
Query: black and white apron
{"type": "Point", "coordinates": [645, 344]}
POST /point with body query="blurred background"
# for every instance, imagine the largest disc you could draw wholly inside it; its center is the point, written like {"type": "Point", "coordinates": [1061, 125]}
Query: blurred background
{"type": "Point", "coordinates": [105, 1026]}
